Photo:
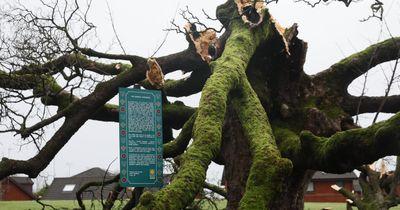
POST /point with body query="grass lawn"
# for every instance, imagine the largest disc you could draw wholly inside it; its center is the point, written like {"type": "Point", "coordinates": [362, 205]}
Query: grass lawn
{"type": "Point", "coordinates": [33, 205]}
{"type": "Point", "coordinates": [319, 206]}
{"type": "Point", "coordinates": [333, 206]}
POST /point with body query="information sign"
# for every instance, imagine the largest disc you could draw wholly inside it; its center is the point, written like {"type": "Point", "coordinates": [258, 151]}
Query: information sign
{"type": "Point", "coordinates": [140, 131]}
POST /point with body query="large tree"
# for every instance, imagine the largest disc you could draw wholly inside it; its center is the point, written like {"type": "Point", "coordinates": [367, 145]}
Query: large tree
{"type": "Point", "coordinates": [260, 115]}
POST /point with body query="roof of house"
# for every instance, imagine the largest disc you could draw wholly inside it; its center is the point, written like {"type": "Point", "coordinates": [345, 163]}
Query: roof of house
{"type": "Point", "coordinates": [21, 180]}
{"type": "Point", "coordinates": [23, 183]}
{"type": "Point", "coordinates": [94, 172]}
{"type": "Point", "coordinates": [65, 188]}
{"type": "Point", "coordinates": [319, 175]}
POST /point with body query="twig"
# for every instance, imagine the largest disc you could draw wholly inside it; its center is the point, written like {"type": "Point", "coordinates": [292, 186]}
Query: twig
{"type": "Point", "coordinates": [44, 205]}
{"type": "Point", "coordinates": [208, 16]}
{"type": "Point", "coordinates": [390, 81]}
{"type": "Point", "coordinates": [377, 11]}
{"type": "Point", "coordinates": [89, 184]}
{"type": "Point", "coordinates": [309, 3]}
{"type": "Point", "coordinates": [365, 80]}
{"type": "Point", "coordinates": [104, 177]}
{"type": "Point", "coordinates": [166, 34]}
{"type": "Point", "coordinates": [113, 27]}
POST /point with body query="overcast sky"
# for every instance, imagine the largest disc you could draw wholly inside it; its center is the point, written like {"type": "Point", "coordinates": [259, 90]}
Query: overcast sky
{"type": "Point", "coordinates": [332, 32]}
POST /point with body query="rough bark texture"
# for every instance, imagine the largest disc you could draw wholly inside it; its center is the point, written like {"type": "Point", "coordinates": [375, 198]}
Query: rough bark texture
{"type": "Point", "coordinates": [236, 153]}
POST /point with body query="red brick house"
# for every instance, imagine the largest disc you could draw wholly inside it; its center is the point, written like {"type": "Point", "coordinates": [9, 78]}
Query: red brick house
{"type": "Point", "coordinates": [16, 188]}
{"type": "Point", "coordinates": [319, 188]}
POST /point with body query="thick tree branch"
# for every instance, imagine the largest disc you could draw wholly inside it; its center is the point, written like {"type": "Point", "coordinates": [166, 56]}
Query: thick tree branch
{"type": "Point", "coordinates": [370, 104]}
{"type": "Point", "coordinates": [187, 86]}
{"type": "Point", "coordinates": [23, 82]}
{"type": "Point", "coordinates": [216, 189]}
{"type": "Point", "coordinates": [340, 75]}
{"type": "Point", "coordinates": [93, 53]}
{"type": "Point", "coordinates": [268, 169]}
{"type": "Point", "coordinates": [174, 115]}
{"type": "Point", "coordinates": [73, 59]}
{"type": "Point", "coordinates": [179, 144]}
{"type": "Point", "coordinates": [26, 132]}
{"type": "Point", "coordinates": [336, 154]}
{"type": "Point", "coordinates": [346, 193]}
{"type": "Point", "coordinates": [177, 114]}
{"type": "Point", "coordinates": [186, 60]}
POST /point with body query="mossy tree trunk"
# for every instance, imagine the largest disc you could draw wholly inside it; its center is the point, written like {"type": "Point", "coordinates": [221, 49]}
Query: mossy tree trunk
{"type": "Point", "coordinates": [296, 102]}
{"type": "Point", "coordinates": [271, 124]}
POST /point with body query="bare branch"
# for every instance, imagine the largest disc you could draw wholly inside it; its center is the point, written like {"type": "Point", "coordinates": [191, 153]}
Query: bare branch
{"type": "Point", "coordinates": [86, 106]}
{"type": "Point", "coordinates": [377, 11]}
{"type": "Point", "coordinates": [113, 27]}
{"type": "Point", "coordinates": [215, 189]}
{"type": "Point", "coordinates": [103, 181]}
{"type": "Point", "coordinates": [90, 184]}
{"type": "Point", "coordinates": [371, 104]}
{"type": "Point", "coordinates": [345, 193]}
{"type": "Point", "coordinates": [44, 205]}
{"type": "Point", "coordinates": [388, 88]}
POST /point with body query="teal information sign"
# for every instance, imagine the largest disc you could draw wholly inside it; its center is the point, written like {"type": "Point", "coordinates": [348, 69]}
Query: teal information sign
{"type": "Point", "coordinates": [140, 134]}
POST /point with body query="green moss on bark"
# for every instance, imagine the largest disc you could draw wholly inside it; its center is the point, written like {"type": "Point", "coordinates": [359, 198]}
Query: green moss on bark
{"type": "Point", "coordinates": [375, 141]}
{"type": "Point", "coordinates": [178, 145]}
{"type": "Point", "coordinates": [341, 74]}
{"type": "Point", "coordinates": [268, 167]}
{"type": "Point", "coordinates": [288, 142]}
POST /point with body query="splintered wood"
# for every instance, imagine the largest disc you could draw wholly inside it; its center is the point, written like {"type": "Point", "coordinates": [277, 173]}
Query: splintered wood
{"type": "Point", "coordinates": [154, 74]}
{"type": "Point", "coordinates": [252, 13]}
{"type": "Point", "coordinates": [335, 187]}
{"type": "Point", "coordinates": [281, 30]}
{"type": "Point", "coordinates": [202, 41]}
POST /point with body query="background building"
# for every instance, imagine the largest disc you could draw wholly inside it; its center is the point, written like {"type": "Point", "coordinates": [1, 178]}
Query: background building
{"type": "Point", "coordinates": [319, 188]}
{"type": "Point", "coordinates": [16, 188]}
{"type": "Point", "coordinates": [65, 188]}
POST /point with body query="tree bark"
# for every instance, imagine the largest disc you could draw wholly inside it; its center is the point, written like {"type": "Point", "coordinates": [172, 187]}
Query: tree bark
{"type": "Point", "coordinates": [236, 153]}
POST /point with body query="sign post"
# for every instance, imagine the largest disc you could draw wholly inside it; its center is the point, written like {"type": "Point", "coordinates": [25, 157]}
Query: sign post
{"type": "Point", "coordinates": [140, 131]}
